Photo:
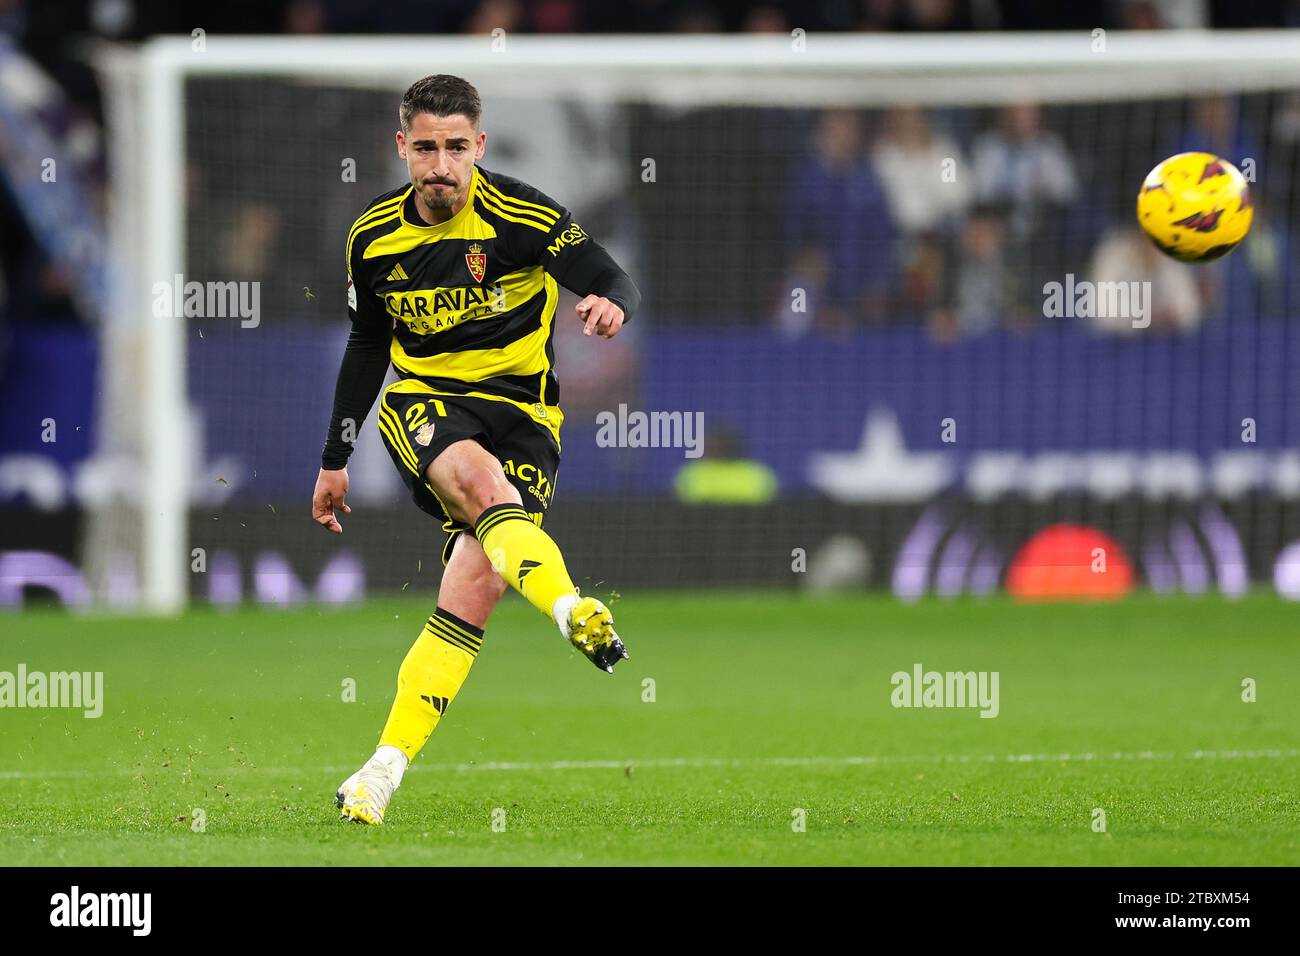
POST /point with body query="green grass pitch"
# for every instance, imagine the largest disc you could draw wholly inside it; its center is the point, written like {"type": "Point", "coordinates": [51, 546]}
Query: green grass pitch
{"type": "Point", "coordinates": [765, 705]}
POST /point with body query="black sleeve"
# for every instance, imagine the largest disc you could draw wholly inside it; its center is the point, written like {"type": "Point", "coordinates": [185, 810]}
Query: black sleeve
{"type": "Point", "coordinates": [577, 261]}
{"type": "Point", "coordinates": [361, 376]}
{"type": "Point", "coordinates": [586, 268]}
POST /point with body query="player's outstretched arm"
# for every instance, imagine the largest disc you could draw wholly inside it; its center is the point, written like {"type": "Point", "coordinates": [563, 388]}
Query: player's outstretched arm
{"type": "Point", "coordinates": [551, 238]}
{"type": "Point", "coordinates": [361, 376]}
{"type": "Point", "coordinates": [609, 294]}
{"type": "Point", "coordinates": [583, 266]}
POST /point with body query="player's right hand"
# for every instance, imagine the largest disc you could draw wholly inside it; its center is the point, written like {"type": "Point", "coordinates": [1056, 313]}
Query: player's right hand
{"type": "Point", "coordinates": [331, 487]}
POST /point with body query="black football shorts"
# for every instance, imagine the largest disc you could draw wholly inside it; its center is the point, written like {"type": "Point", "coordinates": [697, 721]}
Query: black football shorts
{"type": "Point", "coordinates": [417, 422]}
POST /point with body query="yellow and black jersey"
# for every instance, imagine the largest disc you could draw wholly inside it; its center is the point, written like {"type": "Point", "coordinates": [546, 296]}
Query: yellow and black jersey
{"type": "Point", "coordinates": [468, 305]}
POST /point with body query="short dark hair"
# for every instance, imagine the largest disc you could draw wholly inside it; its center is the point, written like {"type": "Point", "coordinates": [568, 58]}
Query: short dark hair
{"type": "Point", "coordinates": [442, 95]}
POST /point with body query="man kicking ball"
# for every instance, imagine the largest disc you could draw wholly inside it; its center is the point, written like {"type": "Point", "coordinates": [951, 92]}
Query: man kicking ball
{"type": "Point", "coordinates": [452, 277]}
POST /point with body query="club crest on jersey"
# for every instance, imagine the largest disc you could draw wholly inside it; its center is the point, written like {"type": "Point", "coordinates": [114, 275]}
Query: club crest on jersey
{"type": "Point", "coordinates": [476, 259]}
{"type": "Point", "coordinates": [424, 435]}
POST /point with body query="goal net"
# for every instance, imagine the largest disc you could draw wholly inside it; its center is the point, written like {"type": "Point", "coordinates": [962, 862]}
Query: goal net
{"type": "Point", "coordinates": [864, 357]}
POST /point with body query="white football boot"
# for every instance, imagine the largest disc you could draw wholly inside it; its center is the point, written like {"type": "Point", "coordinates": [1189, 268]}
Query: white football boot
{"type": "Point", "coordinates": [364, 796]}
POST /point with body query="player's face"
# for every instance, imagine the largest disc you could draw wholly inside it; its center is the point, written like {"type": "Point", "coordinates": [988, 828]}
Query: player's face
{"type": "Point", "coordinates": [440, 152]}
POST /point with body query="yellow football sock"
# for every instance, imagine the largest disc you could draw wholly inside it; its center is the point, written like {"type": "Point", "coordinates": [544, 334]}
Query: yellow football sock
{"type": "Point", "coordinates": [524, 555]}
{"type": "Point", "coordinates": [428, 680]}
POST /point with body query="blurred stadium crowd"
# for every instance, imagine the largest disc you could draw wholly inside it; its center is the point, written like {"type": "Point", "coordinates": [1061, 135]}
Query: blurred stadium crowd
{"type": "Point", "coordinates": [923, 292]}
{"type": "Point", "coordinates": [850, 224]}
{"type": "Point", "coordinates": [1034, 195]}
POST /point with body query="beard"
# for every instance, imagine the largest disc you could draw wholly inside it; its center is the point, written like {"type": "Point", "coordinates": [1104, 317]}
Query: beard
{"type": "Point", "coordinates": [435, 198]}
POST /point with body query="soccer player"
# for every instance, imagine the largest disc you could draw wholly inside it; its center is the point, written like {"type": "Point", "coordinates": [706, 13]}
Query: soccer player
{"type": "Point", "coordinates": [452, 277]}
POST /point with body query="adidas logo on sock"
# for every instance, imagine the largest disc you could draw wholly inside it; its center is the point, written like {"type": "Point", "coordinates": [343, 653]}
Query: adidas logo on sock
{"type": "Point", "coordinates": [525, 567]}
{"type": "Point", "coordinates": [439, 703]}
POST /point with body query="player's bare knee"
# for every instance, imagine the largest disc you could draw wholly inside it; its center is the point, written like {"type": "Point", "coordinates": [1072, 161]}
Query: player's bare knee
{"type": "Point", "coordinates": [479, 488]}
{"type": "Point", "coordinates": [469, 485]}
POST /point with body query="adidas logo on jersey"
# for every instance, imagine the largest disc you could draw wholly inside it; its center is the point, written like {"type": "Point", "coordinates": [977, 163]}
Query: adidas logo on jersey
{"type": "Point", "coordinates": [398, 274]}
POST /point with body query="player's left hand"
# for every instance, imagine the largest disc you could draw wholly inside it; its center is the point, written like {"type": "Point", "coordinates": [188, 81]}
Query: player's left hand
{"type": "Point", "coordinates": [600, 315]}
